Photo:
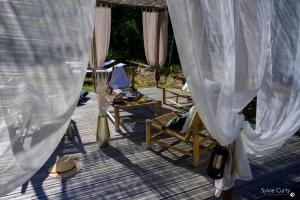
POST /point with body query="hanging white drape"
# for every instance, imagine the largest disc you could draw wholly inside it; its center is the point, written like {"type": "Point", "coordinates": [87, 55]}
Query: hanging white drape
{"type": "Point", "coordinates": [44, 50]}
{"type": "Point", "coordinates": [232, 51]}
{"type": "Point", "coordinates": [278, 100]}
{"type": "Point", "coordinates": [223, 63]}
{"type": "Point", "coordinates": [155, 33]}
{"type": "Point", "coordinates": [101, 39]}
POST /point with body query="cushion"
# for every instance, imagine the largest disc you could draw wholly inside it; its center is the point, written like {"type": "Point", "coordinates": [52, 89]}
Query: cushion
{"type": "Point", "coordinates": [188, 119]}
{"type": "Point", "coordinates": [177, 122]}
{"type": "Point", "coordinates": [186, 87]}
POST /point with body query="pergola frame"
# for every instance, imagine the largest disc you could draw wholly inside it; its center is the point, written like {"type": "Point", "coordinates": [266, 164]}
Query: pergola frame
{"type": "Point", "coordinates": [145, 4]}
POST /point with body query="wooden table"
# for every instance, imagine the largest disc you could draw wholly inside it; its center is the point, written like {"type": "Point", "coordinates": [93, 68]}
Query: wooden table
{"type": "Point", "coordinates": [133, 105]}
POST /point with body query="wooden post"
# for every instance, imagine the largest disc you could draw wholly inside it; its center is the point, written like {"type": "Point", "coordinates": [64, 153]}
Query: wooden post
{"type": "Point", "coordinates": [148, 134]}
{"type": "Point", "coordinates": [177, 96]}
{"type": "Point", "coordinates": [117, 117]}
{"type": "Point", "coordinates": [164, 96]}
{"type": "Point", "coordinates": [196, 150]}
{"type": "Point", "coordinates": [157, 77]}
{"type": "Point", "coordinates": [94, 79]}
{"type": "Point", "coordinates": [158, 110]}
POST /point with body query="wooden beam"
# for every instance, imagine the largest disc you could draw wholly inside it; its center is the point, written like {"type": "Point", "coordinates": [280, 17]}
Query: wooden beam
{"type": "Point", "coordinates": [168, 146]}
{"type": "Point", "coordinates": [148, 134]}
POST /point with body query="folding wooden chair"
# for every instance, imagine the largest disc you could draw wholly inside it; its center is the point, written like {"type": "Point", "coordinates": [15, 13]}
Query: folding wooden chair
{"type": "Point", "coordinates": [169, 93]}
{"type": "Point", "coordinates": [194, 138]}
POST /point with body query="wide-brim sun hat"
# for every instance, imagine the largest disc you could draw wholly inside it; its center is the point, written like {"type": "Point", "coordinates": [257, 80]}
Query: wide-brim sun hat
{"type": "Point", "coordinates": [65, 166]}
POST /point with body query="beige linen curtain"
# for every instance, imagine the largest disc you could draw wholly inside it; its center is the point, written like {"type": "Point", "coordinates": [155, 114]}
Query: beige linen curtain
{"type": "Point", "coordinates": [155, 32]}
{"type": "Point", "coordinates": [101, 38]}
{"type": "Point", "coordinates": [100, 43]}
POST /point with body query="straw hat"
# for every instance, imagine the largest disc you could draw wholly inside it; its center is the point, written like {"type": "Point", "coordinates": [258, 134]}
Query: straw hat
{"type": "Point", "coordinates": [65, 166]}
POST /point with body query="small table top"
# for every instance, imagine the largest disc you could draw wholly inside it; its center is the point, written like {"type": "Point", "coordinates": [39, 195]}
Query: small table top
{"type": "Point", "coordinates": [133, 103]}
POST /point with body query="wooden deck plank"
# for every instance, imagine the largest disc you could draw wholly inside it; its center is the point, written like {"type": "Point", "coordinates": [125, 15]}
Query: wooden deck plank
{"type": "Point", "coordinates": [201, 193]}
{"type": "Point", "coordinates": [126, 170]}
{"type": "Point", "coordinates": [122, 187]}
{"type": "Point", "coordinates": [284, 180]}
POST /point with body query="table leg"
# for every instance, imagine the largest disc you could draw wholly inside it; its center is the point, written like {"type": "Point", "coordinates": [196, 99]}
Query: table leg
{"type": "Point", "coordinates": [117, 117]}
{"type": "Point", "coordinates": [196, 150]}
{"type": "Point", "coordinates": [158, 108]}
{"type": "Point", "coordinates": [148, 134]}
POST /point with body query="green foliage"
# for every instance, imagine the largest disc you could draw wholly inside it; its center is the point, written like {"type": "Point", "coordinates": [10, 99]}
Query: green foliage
{"type": "Point", "coordinates": [126, 33]}
{"type": "Point", "coordinates": [129, 31]}
{"type": "Point", "coordinates": [88, 84]}
{"type": "Point", "coordinates": [167, 81]}
{"type": "Point", "coordinates": [88, 88]}
{"type": "Point", "coordinates": [176, 67]}
{"type": "Point", "coordinates": [116, 55]}
{"type": "Point", "coordinates": [168, 70]}
{"type": "Point", "coordinates": [144, 84]}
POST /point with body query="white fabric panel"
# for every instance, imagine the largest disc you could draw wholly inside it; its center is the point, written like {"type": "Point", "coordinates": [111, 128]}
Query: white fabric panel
{"type": "Point", "coordinates": [278, 100]}
{"type": "Point", "coordinates": [232, 51]}
{"type": "Point", "coordinates": [44, 50]}
{"type": "Point", "coordinates": [222, 57]}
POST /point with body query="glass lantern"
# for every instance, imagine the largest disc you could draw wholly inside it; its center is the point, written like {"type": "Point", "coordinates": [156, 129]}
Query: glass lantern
{"type": "Point", "coordinates": [217, 162]}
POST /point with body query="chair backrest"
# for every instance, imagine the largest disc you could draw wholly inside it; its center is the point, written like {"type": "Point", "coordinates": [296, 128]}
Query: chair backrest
{"type": "Point", "coordinates": [195, 126]}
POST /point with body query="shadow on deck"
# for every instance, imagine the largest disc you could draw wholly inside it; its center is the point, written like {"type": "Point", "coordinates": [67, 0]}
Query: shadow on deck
{"type": "Point", "coordinates": [125, 170]}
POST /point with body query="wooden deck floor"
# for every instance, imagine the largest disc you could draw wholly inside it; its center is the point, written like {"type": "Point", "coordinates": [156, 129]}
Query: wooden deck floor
{"type": "Point", "coordinates": [125, 170]}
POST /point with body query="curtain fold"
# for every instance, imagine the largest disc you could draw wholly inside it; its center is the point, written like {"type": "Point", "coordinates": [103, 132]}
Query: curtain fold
{"type": "Point", "coordinates": [232, 51]}
{"type": "Point", "coordinates": [101, 38]}
{"type": "Point", "coordinates": [278, 100]}
{"type": "Point", "coordinates": [44, 52]}
{"type": "Point", "coordinates": [155, 33]}
{"type": "Point", "coordinates": [223, 59]}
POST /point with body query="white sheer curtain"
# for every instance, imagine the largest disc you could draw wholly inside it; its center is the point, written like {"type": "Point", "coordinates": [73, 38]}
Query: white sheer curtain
{"type": "Point", "coordinates": [44, 50]}
{"type": "Point", "coordinates": [223, 59]}
{"type": "Point", "coordinates": [232, 51]}
{"type": "Point", "coordinates": [278, 100]}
